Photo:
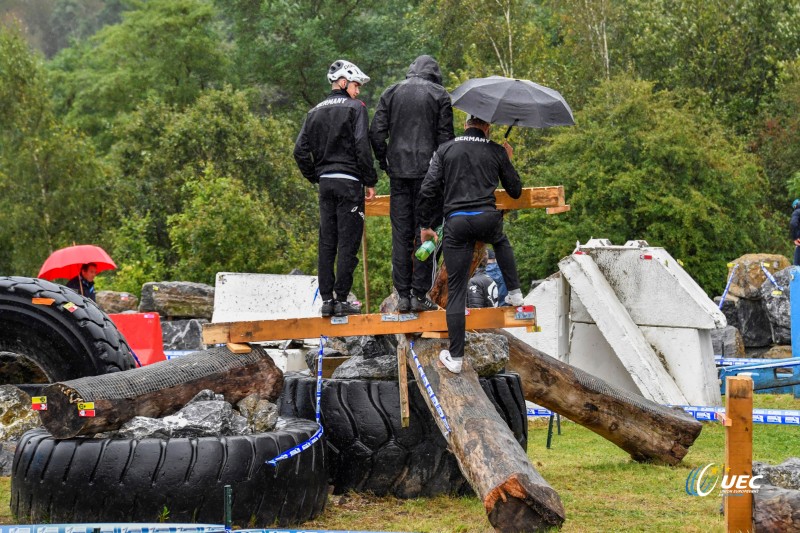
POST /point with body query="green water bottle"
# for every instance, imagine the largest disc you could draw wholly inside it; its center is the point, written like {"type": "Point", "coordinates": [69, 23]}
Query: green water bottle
{"type": "Point", "coordinates": [427, 248]}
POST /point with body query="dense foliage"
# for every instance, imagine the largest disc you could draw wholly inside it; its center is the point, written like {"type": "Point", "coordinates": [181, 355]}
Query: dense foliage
{"type": "Point", "coordinates": [163, 129]}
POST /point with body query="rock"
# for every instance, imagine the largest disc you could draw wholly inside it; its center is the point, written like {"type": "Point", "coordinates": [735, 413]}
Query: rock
{"type": "Point", "coordinates": [265, 417]}
{"type": "Point", "coordinates": [311, 357]}
{"type": "Point", "coordinates": [729, 310]}
{"type": "Point", "coordinates": [358, 367]}
{"type": "Point", "coordinates": [367, 347]}
{"type": "Point", "coordinates": [16, 415]}
{"type": "Point", "coordinates": [777, 306]}
{"type": "Point", "coordinates": [7, 450]}
{"type": "Point", "coordinates": [785, 475]}
{"type": "Point", "coordinates": [779, 351]}
{"type": "Point", "coordinates": [197, 419]}
{"type": "Point", "coordinates": [178, 299]}
{"type": "Point", "coordinates": [247, 405]}
{"type": "Point", "coordinates": [117, 302]}
{"type": "Point", "coordinates": [206, 395]}
{"type": "Point", "coordinates": [749, 277]}
{"type": "Point", "coordinates": [776, 510]}
{"type": "Point", "coordinates": [753, 323]}
{"type": "Point", "coordinates": [486, 352]}
{"type": "Point", "coordinates": [727, 342]}
{"type": "Point", "coordinates": [183, 334]}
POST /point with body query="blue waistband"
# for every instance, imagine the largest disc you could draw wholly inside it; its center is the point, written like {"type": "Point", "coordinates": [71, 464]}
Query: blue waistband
{"type": "Point", "coordinates": [464, 214]}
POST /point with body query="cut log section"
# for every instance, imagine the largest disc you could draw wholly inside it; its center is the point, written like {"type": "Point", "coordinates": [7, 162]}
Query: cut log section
{"type": "Point", "coordinates": [103, 403]}
{"type": "Point", "coordinates": [644, 429]}
{"type": "Point", "coordinates": [514, 495]}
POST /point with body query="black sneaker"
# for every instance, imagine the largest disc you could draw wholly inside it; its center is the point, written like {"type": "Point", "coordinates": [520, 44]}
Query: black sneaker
{"type": "Point", "coordinates": [418, 305]}
{"type": "Point", "coordinates": [404, 304]}
{"type": "Point", "coordinates": [328, 307]}
{"type": "Point", "coordinates": [346, 308]}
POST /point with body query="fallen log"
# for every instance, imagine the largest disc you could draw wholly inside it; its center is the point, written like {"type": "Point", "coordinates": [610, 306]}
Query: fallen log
{"type": "Point", "coordinates": [103, 403]}
{"type": "Point", "coordinates": [646, 430]}
{"type": "Point", "coordinates": [514, 495]}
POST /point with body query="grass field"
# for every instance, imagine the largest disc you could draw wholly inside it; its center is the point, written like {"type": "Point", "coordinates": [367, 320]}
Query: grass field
{"type": "Point", "coordinates": [601, 487]}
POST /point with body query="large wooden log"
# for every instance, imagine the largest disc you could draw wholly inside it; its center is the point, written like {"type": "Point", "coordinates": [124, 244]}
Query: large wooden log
{"type": "Point", "coordinates": [156, 390]}
{"type": "Point", "coordinates": [646, 430]}
{"type": "Point", "coordinates": [514, 495]}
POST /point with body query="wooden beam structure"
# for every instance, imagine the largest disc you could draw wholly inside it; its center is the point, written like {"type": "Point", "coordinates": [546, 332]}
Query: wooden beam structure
{"type": "Point", "coordinates": [354, 325]}
{"type": "Point", "coordinates": [532, 197]}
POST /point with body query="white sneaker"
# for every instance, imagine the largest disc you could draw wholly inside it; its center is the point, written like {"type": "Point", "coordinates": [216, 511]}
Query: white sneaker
{"type": "Point", "coordinates": [453, 364]}
{"type": "Point", "coordinates": [514, 298]}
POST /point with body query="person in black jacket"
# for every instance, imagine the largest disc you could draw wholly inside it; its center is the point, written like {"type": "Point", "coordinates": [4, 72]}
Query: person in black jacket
{"type": "Point", "coordinates": [483, 291]}
{"type": "Point", "coordinates": [462, 178]}
{"type": "Point", "coordinates": [416, 116]}
{"type": "Point", "coordinates": [794, 224]}
{"type": "Point", "coordinates": [83, 283]}
{"type": "Point", "coordinates": [333, 150]}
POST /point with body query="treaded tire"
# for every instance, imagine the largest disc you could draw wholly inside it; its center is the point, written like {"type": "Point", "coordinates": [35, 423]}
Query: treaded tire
{"type": "Point", "coordinates": [371, 452]}
{"type": "Point", "coordinates": [62, 345]}
{"type": "Point", "coordinates": [123, 480]}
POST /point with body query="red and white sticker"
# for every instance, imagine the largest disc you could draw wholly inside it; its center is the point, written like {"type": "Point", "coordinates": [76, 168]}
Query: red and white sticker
{"type": "Point", "coordinates": [71, 307]}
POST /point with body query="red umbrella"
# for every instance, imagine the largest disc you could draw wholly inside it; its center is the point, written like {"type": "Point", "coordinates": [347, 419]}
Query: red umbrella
{"type": "Point", "coordinates": [66, 262]}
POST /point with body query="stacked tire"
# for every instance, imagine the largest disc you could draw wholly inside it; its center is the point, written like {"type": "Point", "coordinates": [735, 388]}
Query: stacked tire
{"type": "Point", "coordinates": [51, 333]}
{"type": "Point", "coordinates": [371, 452]}
{"type": "Point", "coordinates": [178, 480]}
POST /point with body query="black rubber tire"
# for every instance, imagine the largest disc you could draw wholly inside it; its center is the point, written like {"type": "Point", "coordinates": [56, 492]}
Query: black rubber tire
{"type": "Point", "coordinates": [123, 480]}
{"type": "Point", "coordinates": [371, 452]}
{"type": "Point", "coordinates": [60, 344]}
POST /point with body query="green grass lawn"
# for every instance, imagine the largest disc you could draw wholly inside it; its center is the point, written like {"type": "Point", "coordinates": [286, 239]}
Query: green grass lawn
{"type": "Point", "coordinates": [601, 487]}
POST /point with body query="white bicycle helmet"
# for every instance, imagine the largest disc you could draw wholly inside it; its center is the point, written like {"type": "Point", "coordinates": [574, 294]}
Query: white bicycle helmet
{"type": "Point", "coordinates": [345, 69]}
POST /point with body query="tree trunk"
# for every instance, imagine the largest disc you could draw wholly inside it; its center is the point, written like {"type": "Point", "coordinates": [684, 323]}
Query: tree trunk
{"type": "Point", "coordinates": [646, 430]}
{"type": "Point", "coordinates": [438, 292]}
{"type": "Point", "coordinates": [156, 390]}
{"type": "Point", "coordinates": [515, 497]}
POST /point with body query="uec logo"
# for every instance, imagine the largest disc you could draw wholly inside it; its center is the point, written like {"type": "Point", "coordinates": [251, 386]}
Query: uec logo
{"type": "Point", "coordinates": [701, 481]}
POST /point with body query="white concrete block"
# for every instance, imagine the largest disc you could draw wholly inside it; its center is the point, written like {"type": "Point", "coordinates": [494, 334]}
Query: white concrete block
{"type": "Point", "coordinates": [591, 352]}
{"type": "Point", "coordinates": [547, 297]}
{"type": "Point", "coordinates": [243, 297]}
{"type": "Point", "coordinates": [589, 284]}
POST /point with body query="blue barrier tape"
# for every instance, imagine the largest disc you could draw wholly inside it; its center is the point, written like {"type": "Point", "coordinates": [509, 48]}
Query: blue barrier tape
{"type": "Point", "coordinates": [735, 361]}
{"type": "Point", "coordinates": [310, 442]}
{"type": "Point", "coordinates": [760, 416]}
{"type": "Point", "coordinates": [429, 389]}
{"type": "Point", "coordinates": [138, 363]}
{"type": "Point", "coordinates": [172, 354]}
{"type": "Point", "coordinates": [771, 278]}
{"type": "Point", "coordinates": [727, 286]}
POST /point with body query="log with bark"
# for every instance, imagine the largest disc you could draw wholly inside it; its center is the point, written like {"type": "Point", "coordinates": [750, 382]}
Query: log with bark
{"type": "Point", "coordinates": [644, 429]}
{"type": "Point", "coordinates": [514, 495]}
{"type": "Point", "coordinates": [103, 403]}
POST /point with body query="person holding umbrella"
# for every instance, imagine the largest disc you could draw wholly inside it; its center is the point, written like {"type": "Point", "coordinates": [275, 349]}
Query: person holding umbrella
{"type": "Point", "coordinates": [460, 182]}
{"type": "Point", "coordinates": [416, 116]}
{"type": "Point", "coordinates": [83, 283]}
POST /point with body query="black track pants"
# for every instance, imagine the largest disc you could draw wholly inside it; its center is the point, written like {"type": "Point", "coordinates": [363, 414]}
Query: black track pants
{"type": "Point", "coordinates": [460, 235]}
{"type": "Point", "coordinates": [341, 224]}
{"type": "Point", "coordinates": [408, 272]}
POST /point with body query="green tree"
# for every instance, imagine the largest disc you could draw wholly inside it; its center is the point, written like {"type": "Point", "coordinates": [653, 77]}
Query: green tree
{"type": "Point", "coordinates": [641, 166]}
{"type": "Point", "coordinates": [53, 190]}
{"type": "Point", "coordinates": [170, 50]}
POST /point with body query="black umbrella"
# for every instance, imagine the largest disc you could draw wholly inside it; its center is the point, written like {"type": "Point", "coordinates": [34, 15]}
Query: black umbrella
{"type": "Point", "coordinates": [511, 102]}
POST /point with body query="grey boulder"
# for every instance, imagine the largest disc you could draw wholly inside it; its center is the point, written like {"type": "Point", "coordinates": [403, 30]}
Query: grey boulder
{"type": "Point", "coordinates": [178, 299]}
{"type": "Point", "coordinates": [117, 302]}
{"type": "Point", "coordinates": [183, 334]}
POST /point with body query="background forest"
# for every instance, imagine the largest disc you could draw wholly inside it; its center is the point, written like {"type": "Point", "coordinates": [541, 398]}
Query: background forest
{"type": "Point", "coordinates": [163, 130]}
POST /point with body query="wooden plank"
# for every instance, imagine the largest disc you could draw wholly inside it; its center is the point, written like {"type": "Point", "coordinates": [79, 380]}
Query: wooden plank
{"type": "Point", "coordinates": [402, 378]}
{"type": "Point", "coordinates": [739, 450]}
{"type": "Point", "coordinates": [557, 210]}
{"type": "Point", "coordinates": [238, 348]}
{"type": "Point", "coordinates": [372, 324]}
{"type": "Point", "coordinates": [531, 197]}
{"type": "Point", "coordinates": [435, 335]}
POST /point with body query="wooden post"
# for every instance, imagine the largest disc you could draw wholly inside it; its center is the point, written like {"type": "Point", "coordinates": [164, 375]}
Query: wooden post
{"type": "Point", "coordinates": [402, 377]}
{"type": "Point", "coordinates": [366, 274]}
{"type": "Point", "coordinates": [738, 450]}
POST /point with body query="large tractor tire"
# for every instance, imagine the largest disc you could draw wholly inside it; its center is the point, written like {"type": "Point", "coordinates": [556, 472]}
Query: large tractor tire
{"type": "Point", "coordinates": [178, 480]}
{"type": "Point", "coordinates": [51, 333]}
{"type": "Point", "coordinates": [370, 450]}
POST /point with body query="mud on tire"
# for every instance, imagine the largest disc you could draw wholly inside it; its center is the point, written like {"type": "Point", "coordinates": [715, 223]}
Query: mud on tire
{"type": "Point", "coordinates": [123, 480]}
{"type": "Point", "coordinates": [371, 452]}
{"type": "Point", "coordinates": [51, 342]}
